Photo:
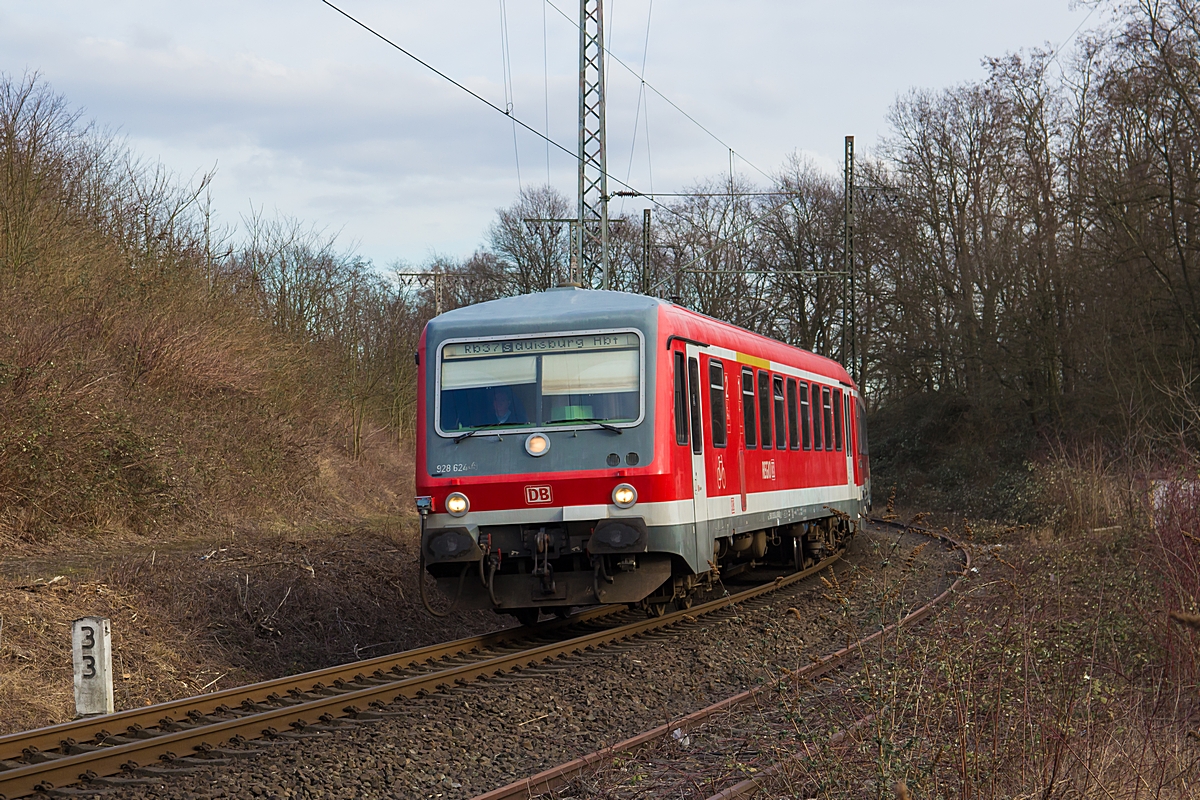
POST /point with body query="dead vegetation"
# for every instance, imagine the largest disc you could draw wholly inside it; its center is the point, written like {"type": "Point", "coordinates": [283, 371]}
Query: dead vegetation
{"type": "Point", "coordinates": [1066, 668]}
{"type": "Point", "coordinates": [236, 607]}
{"type": "Point", "coordinates": [1050, 677]}
{"type": "Point", "coordinates": [154, 376]}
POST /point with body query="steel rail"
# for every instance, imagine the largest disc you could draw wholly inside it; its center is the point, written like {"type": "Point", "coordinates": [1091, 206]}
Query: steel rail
{"type": "Point", "coordinates": [755, 782]}
{"type": "Point", "coordinates": [13, 746]}
{"type": "Point", "coordinates": [144, 746]}
{"type": "Point", "coordinates": [559, 776]}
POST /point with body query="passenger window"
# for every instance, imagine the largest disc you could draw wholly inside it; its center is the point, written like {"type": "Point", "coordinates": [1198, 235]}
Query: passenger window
{"type": "Point", "coordinates": [838, 430]}
{"type": "Point", "coordinates": [716, 401]}
{"type": "Point", "coordinates": [749, 420]}
{"type": "Point", "coordinates": [793, 433]}
{"type": "Point", "coordinates": [827, 402]}
{"type": "Point", "coordinates": [780, 429]}
{"type": "Point", "coordinates": [764, 408]}
{"type": "Point", "coordinates": [846, 421]}
{"type": "Point", "coordinates": [805, 417]}
{"type": "Point", "coordinates": [694, 405]}
{"type": "Point", "coordinates": [816, 415]}
{"type": "Point", "coordinates": [681, 409]}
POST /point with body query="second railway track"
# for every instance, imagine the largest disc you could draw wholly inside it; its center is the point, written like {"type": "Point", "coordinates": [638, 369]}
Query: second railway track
{"type": "Point", "coordinates": [562, 775]}
{"type": "Point", "coordinates": [173, 737]}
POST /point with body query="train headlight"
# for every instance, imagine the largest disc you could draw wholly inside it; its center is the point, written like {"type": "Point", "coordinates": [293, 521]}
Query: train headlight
{"type": "Point", "coordinates": [457, 504]}
{"type": "Point", "coordinates": [536, 444]}
{"type": "Point", "coordinates": [624, 496]}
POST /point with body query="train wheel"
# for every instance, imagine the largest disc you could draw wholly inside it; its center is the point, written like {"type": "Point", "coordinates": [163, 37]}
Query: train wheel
{"type": "Point", "coordinates": [562, 612]}
{"type": "Point", "coordinates": [683, 603]}
{"type": "Point", "coordinates": [526, 616]}
{"type": "Point", "coordinates": [656, 609]}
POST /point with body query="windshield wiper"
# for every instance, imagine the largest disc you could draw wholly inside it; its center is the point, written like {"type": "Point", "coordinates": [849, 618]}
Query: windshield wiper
{"type": "Point", "coordinates": [476, 430]}
{"type": "Point", "coordinates": [599, 422]}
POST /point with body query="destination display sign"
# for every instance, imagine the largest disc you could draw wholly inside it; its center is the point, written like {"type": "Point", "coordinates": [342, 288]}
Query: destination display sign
{"type": "Point", "coordinates": [571, 343]}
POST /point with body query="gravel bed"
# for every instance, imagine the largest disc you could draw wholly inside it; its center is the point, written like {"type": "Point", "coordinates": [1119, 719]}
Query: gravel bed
{"type": "Point", "coordinates": [471, 739]}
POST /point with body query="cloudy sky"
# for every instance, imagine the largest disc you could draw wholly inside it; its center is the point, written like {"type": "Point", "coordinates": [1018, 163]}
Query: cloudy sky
{"type": "Point", "coordinates": [306, 115]}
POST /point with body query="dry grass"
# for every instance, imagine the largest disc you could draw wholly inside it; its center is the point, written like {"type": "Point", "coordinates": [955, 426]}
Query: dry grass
{"type": "Point", "coordinates": [215, 612]}
{"type": "Point", "coordinates": [143, 387]}
{"type": "Point", "coordinates": [196, 473]}
{"type": "Point", "coordinates": [1067, 669]}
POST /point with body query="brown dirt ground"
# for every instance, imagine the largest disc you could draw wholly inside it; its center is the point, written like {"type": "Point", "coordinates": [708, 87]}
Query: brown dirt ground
{"type": "Point", "coordinates": [210, 612]}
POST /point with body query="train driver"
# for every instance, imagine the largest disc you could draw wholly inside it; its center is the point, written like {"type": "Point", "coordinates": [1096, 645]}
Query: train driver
{"type": "Point", "coordinates": [505, 407]}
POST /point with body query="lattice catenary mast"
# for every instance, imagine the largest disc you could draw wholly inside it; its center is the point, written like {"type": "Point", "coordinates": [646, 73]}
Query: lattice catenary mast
{"type": "Point", "coordinates": [591, 232]}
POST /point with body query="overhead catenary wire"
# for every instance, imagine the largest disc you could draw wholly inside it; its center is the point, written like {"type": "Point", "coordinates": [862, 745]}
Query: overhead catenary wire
{"type": "Point", "coordinates": [722, 242]}
{"type": "Point", "coordinates": [640, 101]}
{"type": "Point", "coordinates": [546, 88]}
{"type": "Point", "coordinates": [666, 99]}
{"type": "Point", "coordinates": [517, 120]}
{"type": "Point", "coordinates": [506, 71]}
{"type": "Point", "coordinates": [650, 194]}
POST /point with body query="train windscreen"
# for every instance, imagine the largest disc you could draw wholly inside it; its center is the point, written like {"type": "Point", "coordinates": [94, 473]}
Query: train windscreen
{"type": "Point", "coordinates": [542, 383]}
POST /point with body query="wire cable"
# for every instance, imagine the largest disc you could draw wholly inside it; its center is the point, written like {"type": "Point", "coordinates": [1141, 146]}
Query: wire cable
{"type": "Point", "coordinates": [575, 156]}
{"type": "Point", "coordinates": [506, 73]}
{"type": "Point", "coordinates": [641, 97]}
{"type": "Point", "coordinates": [546, 89]}
{"type": "Point", "coordinates": [517, 120]}
{"type": "Point", "coordinates": [447, 78]}
{"type": "Point", "coordinates": [668, 100]}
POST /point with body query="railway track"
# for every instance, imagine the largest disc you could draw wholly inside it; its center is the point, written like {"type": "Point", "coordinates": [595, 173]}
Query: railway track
{"type": "Point", "coordinates": [171, 738]}
{"type": "Point", "coordinates": [559, 776]}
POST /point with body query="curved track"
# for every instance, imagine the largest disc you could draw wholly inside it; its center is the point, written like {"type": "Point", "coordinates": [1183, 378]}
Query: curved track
{"type": "Point", "coordinates": [559, 776]}
{"type": "Point", "coordinates": [157, 740]}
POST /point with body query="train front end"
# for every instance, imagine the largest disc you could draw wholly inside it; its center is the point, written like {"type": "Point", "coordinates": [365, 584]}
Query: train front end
{"type": "Point", "coordinates": [537, 471]}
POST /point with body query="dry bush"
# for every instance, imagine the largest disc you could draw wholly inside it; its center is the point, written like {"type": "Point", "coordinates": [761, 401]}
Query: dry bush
{"type": "Point", "coordinates": [1043, 679]}
{"type": "Point", "coordinates": [1085, 487]}
{"type": "Point", "coordinates": [154, 659]}
{"type": "Point", "coordinates": [1175, 540]}
{"type": "Point", "coordinates": [143, 385]}
{"type": "Point", "coordinates": [241, 606]}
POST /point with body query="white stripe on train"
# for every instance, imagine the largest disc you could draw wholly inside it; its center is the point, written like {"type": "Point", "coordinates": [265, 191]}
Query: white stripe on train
{"type": "Point", "coordinates": [671, 512]}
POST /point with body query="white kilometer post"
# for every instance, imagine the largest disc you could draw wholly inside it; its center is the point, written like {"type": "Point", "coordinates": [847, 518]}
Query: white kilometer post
{"type": "Point", "coordinates": [91, 646]}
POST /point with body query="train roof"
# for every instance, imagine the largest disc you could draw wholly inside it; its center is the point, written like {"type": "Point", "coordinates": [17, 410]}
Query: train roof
{"type": "Point", "coordinates": [559, 309]}
{"type": "Point", "coordinates": [543, 309]}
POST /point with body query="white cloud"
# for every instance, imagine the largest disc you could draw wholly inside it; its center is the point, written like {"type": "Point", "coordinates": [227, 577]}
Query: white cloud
{"type": "Point", "coordinates": [306, 113]}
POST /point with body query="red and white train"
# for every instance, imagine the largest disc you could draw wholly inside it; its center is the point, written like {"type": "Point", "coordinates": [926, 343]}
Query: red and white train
{"type": "Point", "coordinates": [578, 447]}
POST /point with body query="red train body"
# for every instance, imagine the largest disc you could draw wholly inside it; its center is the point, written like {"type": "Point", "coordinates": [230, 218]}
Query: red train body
{"type": "Point", "coordinates": [731, 446]}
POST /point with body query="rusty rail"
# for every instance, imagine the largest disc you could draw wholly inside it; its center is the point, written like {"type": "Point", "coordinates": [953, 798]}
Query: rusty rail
{"type": "Point", "coordinates": [51, 757]}
{"type": "Point", "coordinates": [559, 776]}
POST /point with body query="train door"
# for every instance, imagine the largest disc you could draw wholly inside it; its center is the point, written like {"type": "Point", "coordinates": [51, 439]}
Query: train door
{"type": "Point", "coordinates": [699, 478]}
{"type": "Point", "coordinates": [848, 439]}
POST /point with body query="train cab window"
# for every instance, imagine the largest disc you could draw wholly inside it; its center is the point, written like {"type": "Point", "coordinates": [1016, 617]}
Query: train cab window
{"type": "Point", "coordinates": [780, 425]}
{"type": "Point", "coordinates": [681, 409]}
{"type": "Point", "coordinates": [694, 405]}
{"type": "Point", "coordinates": [749, 420]}
{"type": "Point", "coordinates": [839, 430]}
{"type": "Point", "coordinates": [528, 382]}
{"type": "Point", "coordinates": [716, 401]}
{"type": "Point", "coordinates": [827, 402]}
{"type": "Point", "coordinates": [764, 408]}
{"type": "Point", "coordinates": [816, 416]}
{"type": "Point", "coordinates": [793, 433]}
{"type": "Point", "coordinates": [805, 418]}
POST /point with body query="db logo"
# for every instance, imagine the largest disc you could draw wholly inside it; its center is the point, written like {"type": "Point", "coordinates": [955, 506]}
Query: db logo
{"type": "Point", "coordinates": [538, 494]}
